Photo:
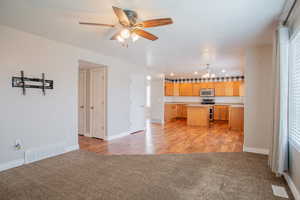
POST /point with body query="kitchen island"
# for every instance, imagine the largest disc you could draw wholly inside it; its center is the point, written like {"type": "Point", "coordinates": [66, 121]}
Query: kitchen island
{"type": "Point", "coordinates": [198, 115]}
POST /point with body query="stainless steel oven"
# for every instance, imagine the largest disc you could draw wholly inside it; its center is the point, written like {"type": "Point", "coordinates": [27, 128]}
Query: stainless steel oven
{"type": "Point", "coordinates": [207, 92]}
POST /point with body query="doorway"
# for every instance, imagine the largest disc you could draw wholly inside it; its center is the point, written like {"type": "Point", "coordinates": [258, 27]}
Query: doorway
{"type": "Point", "coordinates": [92, 100]}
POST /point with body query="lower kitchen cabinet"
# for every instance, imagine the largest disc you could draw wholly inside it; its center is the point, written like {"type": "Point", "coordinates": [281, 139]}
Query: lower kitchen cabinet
{"type": "Point", "coordinates": [173, 111]}
{"type": "Point", "coordinates": [170, 112]}
{"type": "Point", "coordinates": [221, 112]}
{"type": "Point", "coordinates": [236, 118]}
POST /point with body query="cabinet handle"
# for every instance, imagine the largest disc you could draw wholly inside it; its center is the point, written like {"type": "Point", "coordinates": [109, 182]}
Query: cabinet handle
{"type": "Point", "coordinates": [92, 107]}
{"type": "Point", "coordinates": [81, 106]}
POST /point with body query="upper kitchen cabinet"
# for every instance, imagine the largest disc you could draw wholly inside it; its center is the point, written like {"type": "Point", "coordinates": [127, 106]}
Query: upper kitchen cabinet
{"type": "Point", "coordinates": [220, 89]}
{"type": "Point", "coordinates": [228, 88]}
{"type": "Point", "coordinates": [176, 89]}
{"type": "Point", "coordinates": [169, 87]}
{"type": "Point", "coordinates": [242, 89]}
{"type": "Point", "coordinates": [186, 89]}
{"type": "Point", "coordinates": [236, 88]}
{"type": "Point", "coordinates": [196, 88]}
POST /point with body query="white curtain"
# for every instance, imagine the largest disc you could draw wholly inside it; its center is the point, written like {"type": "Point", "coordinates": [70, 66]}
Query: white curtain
{"type": "Point", "coordinates": [278, 158]}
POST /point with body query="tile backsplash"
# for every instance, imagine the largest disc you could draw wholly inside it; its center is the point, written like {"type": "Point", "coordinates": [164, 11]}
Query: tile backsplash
{"type": "Point", "coordinates": [199, 99]}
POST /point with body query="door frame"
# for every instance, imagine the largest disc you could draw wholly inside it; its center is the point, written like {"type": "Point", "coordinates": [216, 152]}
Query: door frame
{"type": "Point", "coordinates": [86, 65]}
{"type": "Point", "coordinates": [85, 133]}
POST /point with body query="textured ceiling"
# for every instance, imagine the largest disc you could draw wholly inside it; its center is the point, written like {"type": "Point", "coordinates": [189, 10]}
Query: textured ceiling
{"type": "Point", "coordinates": [204, 31]}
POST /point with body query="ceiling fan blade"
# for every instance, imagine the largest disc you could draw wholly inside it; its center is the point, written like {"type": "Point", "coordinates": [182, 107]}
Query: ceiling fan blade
{"type": "Point", "coordinates": [156, 22]}
{"type": "Point", "coordinates": [96, 24]}
{"type": "Point", "coordinates": [145, 34]}
{"type": "Point", "coordinates": [123, 19]}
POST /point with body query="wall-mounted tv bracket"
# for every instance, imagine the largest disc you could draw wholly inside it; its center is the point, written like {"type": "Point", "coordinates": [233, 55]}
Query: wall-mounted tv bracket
{"type": "Point", "coordinates": [37, 83]}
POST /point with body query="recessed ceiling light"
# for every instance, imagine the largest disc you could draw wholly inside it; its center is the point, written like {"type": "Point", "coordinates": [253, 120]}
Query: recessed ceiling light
{"type": "Point", "coordinates": [195, 73]}
{"type": "Point", "coordinates": [148, 78]}
{"type": "Point", "coordinates": [172, 74]}
{"type": "Point", "coordinates": [223, 71]}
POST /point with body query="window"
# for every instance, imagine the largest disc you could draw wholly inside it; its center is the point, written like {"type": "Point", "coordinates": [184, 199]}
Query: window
{"type": "Point", "coordinates": [294, 93]}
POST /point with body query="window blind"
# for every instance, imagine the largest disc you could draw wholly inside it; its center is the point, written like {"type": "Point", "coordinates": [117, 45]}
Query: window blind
{"type": "Point", "coordinates": [294, 93]}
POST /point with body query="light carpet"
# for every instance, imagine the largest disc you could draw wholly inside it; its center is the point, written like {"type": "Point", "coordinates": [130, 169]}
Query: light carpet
{"type": "Point", "coordinates": [89, 176]}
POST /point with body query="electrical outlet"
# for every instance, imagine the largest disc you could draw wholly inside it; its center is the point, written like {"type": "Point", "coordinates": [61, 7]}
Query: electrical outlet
{"type": "Point", "coordinates": [18, 145]}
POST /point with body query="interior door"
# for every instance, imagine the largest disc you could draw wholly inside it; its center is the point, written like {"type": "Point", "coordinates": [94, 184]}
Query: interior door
{"type": "Point", "coordinates": [137, 103]}
{"type": "Point", "coordinates": [97, 103]}
{"type": "Point", "coordinates": [82, 103]}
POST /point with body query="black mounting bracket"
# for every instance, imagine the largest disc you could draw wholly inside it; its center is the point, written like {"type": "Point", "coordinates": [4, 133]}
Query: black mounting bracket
{"type": "Point", "coordinates": [25, 82]}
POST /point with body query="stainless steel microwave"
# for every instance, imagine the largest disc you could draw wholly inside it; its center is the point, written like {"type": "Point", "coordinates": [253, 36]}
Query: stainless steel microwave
{"type": "Point", "coordinates": [207, 92]}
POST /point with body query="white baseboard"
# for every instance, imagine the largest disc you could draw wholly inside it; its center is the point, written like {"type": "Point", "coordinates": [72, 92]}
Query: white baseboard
{"type": "Point", "coordinates": [71, 148]}
{"type": "Point", "coordinates": [159, 121]}
{"type": "Point", "coordinates": [113, 137]}
{"type": "Point", "coordinates": [256, 150]}
{"type": "Point", "coordinates": [38, 154]}
{"type": "Point", "coordinates": [11, 164]}
{"type": "Point", "coordinates": [292, 186]}
{"type": "Point", "coordinates": [43, 152]}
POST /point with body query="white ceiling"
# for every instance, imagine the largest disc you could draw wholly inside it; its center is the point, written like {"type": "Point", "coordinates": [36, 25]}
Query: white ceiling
{"type": "Point", "coordinates": [221, 29]}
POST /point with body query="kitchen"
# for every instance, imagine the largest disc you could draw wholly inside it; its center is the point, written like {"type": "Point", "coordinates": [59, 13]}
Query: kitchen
{"type": "Point", "coordinates": [204, 102]}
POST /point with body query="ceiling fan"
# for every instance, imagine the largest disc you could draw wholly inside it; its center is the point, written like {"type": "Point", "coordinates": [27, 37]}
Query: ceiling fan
{"type": "Point", "coordinates": [131, 27]}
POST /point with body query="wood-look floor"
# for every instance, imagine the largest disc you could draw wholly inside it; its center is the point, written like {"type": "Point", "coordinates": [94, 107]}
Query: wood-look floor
{"type": "Point", "coordinates": [173, 137]}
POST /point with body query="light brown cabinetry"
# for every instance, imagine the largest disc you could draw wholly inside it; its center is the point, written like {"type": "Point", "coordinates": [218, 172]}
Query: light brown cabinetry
{"type": "Point", "coordinates": [242, 89]}
{"type": "Point", "coordinates": [196, 88]}
{"type": "Point", "coordinates": [198, 116]}
{"type": "Point", "coordinates": [181, 111]}
{"type": "Point", "coordinates": [235, 88]}
{"type": "Point", "coordinates": [173, 111]}
{"type": "Point", "coordinates": [221, 112]}
{"type": "Point", "coordinates": [219, 89]}
{"type": "Point", "coordinates": [176, 89]}
{"type": "Point", "coordinates": [186, 89]}
{"type": "Point", "coordinates": [170, 112]}
{"type": "Point", "coordinates": [169, 89]}
{"type": "Point", "coordinates": [236, 118]}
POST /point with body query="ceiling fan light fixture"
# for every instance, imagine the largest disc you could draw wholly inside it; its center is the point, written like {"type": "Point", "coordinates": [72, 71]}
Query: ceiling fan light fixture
{"type": "Point", "coordinates": [134, 37]}
{"type": "Point", "coordinates": [125, 33]}
{"type": "Point", "coordinates": [120, 39]}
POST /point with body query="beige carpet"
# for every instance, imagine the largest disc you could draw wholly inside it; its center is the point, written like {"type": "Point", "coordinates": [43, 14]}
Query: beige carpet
{"type": "Point", "coordinates": [89, 176]}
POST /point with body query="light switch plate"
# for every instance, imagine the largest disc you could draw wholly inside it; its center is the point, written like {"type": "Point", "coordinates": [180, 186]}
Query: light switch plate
{"type": "Point", "coordinates": [279, 191]}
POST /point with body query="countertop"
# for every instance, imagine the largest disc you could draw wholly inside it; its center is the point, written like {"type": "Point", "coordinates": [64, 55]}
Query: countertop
{"type": "Point", "coordinates": [216, 104]}
{"type": "Point", "coordinates": [198, 105]}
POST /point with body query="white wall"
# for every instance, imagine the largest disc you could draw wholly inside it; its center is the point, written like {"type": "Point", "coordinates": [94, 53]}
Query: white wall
{"type": "Point", "coordinates": [42, 120]}
{"type": "Point", "coordinates": [258, 98]}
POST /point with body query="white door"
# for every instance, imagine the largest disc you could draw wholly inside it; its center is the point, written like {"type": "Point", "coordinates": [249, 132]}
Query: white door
{"type": "Point", "coordinates": [137, 103]}
{"type": "Point", "coordinates": [82, 103]}
{"type": "Point", "coordinates": [97, 102]}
